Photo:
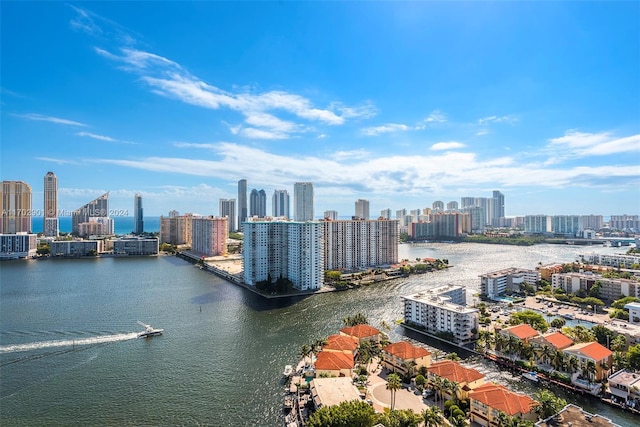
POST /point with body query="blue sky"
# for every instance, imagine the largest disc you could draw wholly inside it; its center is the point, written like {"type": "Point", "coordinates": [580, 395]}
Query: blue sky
{"type": "Point", "coordinates": [400, 103]}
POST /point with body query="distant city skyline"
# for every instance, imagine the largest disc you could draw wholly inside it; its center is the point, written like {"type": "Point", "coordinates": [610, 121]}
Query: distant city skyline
{"type": "Point", "coordinates": [474, 99]}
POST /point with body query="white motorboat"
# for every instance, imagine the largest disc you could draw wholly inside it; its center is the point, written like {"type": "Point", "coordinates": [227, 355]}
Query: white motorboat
{"type": "Point", "coordinates": [532, 376]}
{"type": "Point", "coordinates": [149, 331]}
{"type": "Point", "coordinates": [288, 370]}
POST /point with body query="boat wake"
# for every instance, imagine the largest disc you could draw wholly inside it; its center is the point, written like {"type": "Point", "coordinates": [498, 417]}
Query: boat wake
{"type": "Point", "coordinates": [67, 343]}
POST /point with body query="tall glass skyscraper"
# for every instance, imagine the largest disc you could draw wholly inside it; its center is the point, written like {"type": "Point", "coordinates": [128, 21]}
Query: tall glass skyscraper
{"type": "Point", "coordinates": [303, 201]}
{"type": "Point", "coordinates": [227, 209]}
{"type": "Point", "coordinates": [51, 226]}
{"type": "Point", "coordinates": [280, 203]}
{"type": "Point", "coordinates": [138, 217]}
{"type": "Point", "coordinates": [242, 203]}
{"type": "Point", "coordinates": [258, 203]}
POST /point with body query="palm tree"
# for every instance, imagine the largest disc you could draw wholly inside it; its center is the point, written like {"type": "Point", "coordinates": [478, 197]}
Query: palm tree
{"type": "Point", "coordinates": [436, 354]}
{"type": "Point", "coordinates": [438, 384]}
{"type": "Point", "coordinates": [572, 363]}
{"type": "Point", "coordinates": [393, 383]}
{"type": "Point", "coordinates": [454, 389]}
{"type": "Point", "coordinates": [458, 421]}
{"type": "Point", "coordinates": [409, 369]}
{"type": "Point", "coordinates": [547, 353]}
{"type": "Point", "coordinates": [432, 416]}
{"type": "Point", "coordinates": [502, 420]}
{"type": "Point", "coordinates": [591, 370]}
{"type": "Point", "coordinates": [305, 351]}
{"type": "Point", "coordinates": [558, 360]}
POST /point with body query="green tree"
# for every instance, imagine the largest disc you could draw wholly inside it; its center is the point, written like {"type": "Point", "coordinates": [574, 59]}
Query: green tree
{"type": "Point", "coordinates": [394, 383]}
{"type": "Point", "coordinates": [332, 275]}
{"type": "Point", "coordinates": [432, 416]}
{"type": "Point", "coordinates": [531, 318]}
{"type": "Point", "coordinates": [399, 418]}
{"type": "Point", "coordinates": [549, 405]}
{"type": "Point", "coordinates": [420, 381]}
{"type": "Point", "coordinates": [603, 334]}
{"type": "Point", "coordinates": [305, 351]}
{"type": "Point", "coordinates": [355, 413]}
{"type": "Point", "coordinates": [633, 357]}
{"type": "Point", "coordinates": [558, 323]}
{"type": "Point", "coordinates": [357, 319]}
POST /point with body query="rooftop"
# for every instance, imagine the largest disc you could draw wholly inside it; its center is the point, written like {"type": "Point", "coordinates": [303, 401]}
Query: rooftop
{"type": "Point", "coordinates": [499, 397]}
{"type": "Point", "coordinates": [593, 350]}
{"type": "Point", "coordinates": [572, 415]}
{"type": "Point", "coordinates": [558, 340]}
{"type": "Point", "coordinates": [341, 343]}
{"type": "Point", "coordinates": [333, 391]}
{"type": "Point", "coordinates": [360, 331]}
{"type": "Point", "coordinates": [625, 378]}
{"type": "Point", "coordinates": [453, 371]}
{"type": "Point", "coordinates": [332, 361]}
{"type": "Point", "coordinates": [438, 301]}
{"type": "Point", "coordinates": [406, 351]}
{"type": "Point", "coordinates": [522, 331]}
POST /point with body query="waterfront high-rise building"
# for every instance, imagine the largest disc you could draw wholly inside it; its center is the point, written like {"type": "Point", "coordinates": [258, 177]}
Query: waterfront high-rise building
{"type": "Point", "coordinates": [138, 217]}
{"type": "Point", "coordinates": [438, 205]}
{"type": "Point", "coordinates": [477, 218]}
{"type": "Point", "coordinates": [442, 224]}
{"type": "Point", "coordinates": [537, 224]}
{"type": "Point", "coordinates": [624, 223]}
{"type": "Point", "coordinates": [591, 222]}
{"type": "Point", "coordinates": [331, 214]}
{"type": "Point", "coordinates": [415, 215]}
{"type": "Point", "coordinates": [258, 203]}
{"type": "Point", "coordinates": [452, 206]}
{"type": "Point", "coordinates": [362, 209]}
{"type": "Point", "coordinates": [280, 204]}
{"type": "Point", "coordinates": [51, 226]}
{"type": "Point", "coordinates": [209, 236]}
{"type": "Point", "coordinates": [97, 208]}
{"type": "Point", "coordinates": [303, 201]}
{"type": "Point", "coordinates": [291, 250]}
{"type": "Point", "coordinates": [497, 202]}
{"type": "Point", "coordinates": [565, 224]}
{"type": "Point", "coordinates": [228, 210]}
{"type": "Point", "coordinates": [487, 206]}
{"type": "Point", "coordinates": [357, 244]}
{"type": "Point", "coordinates": [176, 229]}
{"type": "Point", "coordinates": [243, 212]}
{"type": "Point", "coordinates": [385, 214]}
{"type": "Point", "coordinates": [15, 204]}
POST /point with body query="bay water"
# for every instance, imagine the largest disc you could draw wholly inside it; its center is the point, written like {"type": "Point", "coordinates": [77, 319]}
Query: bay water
{"type": "Point", "coordinates": [69, 356]}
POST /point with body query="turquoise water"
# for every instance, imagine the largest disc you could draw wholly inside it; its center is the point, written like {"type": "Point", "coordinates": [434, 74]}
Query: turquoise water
{"type": "Point", "coordinates": [69, 356]}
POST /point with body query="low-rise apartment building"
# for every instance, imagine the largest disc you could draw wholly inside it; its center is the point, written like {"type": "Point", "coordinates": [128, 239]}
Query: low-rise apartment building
{"type": "Point", "coordinates": [20, 245]}
{"type": "Point", "coordinates": [611, 260]}
{"type": "Point", "coordinates": [136, 246]}
{"type": "Point", "coordinates": [610, 289]}
{"type": "Point", "coordinates": [437, 315]}
{"type": "Point", "coordinates": [74, 248]}
{"type": "Point", "coordinates": [496, 283]}
{"type": "Point", "coordinates": [489, 400]}
{"type": "Point", "coordinates": [398, 356]}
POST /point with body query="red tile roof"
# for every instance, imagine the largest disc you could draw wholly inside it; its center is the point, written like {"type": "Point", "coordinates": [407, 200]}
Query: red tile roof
{"type": "Point", "coordinates": [453, 371]}
{"type": "Point", "coordinates": [498, 397]}
{"type": "Point", "coordinates": [406, 351]}
{"type": "Point", "coordinates": [522, 331]}
{"type": "Point", "coordinates": [360, 331]}
{"type": "Point", "coordinates": [592, 350]}
{"type": "Point", "coordinates": [341, 343]}
{"type": "Point", "coordinates": [558, 340]}
{"type": "Point", "coordinates": [331, 361]}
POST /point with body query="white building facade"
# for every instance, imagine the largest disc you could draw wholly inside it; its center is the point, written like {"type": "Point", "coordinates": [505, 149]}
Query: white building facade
{"type": "Point", "coordinates": [496, 283]}
{"type": "Point", "coordinates": [20, 245]}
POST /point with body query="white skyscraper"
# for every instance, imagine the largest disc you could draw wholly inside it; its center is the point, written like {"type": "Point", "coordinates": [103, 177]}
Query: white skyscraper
{"type": "Point", "coordinates": [303, 201]}
{"type": "Point", "coordinates": [292, 250]}
{"type": "Point", "coordinates": [362, 209]}
{"type": "Point", "coordinates": [332, 215]}
{"type": "Point", "coordinates": [51, 225]}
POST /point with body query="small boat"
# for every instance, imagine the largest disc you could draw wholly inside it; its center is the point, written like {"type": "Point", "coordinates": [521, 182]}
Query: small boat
{"type": "Point", "coordinates": [288, 370]}
{"type": "Point", "coordinates": [149, 331]}
{"type": "Point", "coordinates": [532, 376]}
{"type": "Point", "coordinates": [568, 316]}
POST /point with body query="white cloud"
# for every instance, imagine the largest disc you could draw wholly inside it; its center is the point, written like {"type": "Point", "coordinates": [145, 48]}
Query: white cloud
{"type": "Point", "coordinates": [497, 119]}
{"type": "Point", "coordinates": [58, 161]}
{"type": "Point", "coordinates": [386, 128]}
{"type": "Point", "coordinates": [102, 137]}
{"type": "Point", "coordinates": [440, 146]}
{"type": "Point", "coordinates": [581, 144]}
{"type": "Point", "coordinates": [482, 132]}
{"type": "Point", "coordinates": [51, 119]}
{"type": "Point", "coordinates": [436, 117]}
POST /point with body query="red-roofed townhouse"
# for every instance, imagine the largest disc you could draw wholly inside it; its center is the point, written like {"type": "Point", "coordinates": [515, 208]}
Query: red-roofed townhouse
{"type": "Point", "coordinates": [467, 379]}
{"type": "Point", "coordinates": [362, 333]}
{"type": "Point", "coordinates": [488, 400]}
{"type": "Point", "coordinates": [592, 351]}
{"type": "Point", "coordinates": [333, 364]}
{"type": "Point", "coordinates": [341, 344]}
{"type": "Point", "coordinates": [399, 355]}
{"type": "Point", "coordinates": [523, 332]}
{"type": "Point", "coordinates": [554, 341]}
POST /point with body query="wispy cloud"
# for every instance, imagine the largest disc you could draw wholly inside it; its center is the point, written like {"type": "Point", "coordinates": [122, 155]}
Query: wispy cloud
{"type": "Point", "coordinates": [497, 119]}
{"type": "Point", "coordinates": [50, 119]}
{"type": "Point", "coordinates": [168, 78]}
{"type": "Point", "coordinates": [436, 116]}
{"type": "Point", "coordinates": [58, 161]}
{"type": "Point", "coordinates": [204, 146]}
{"type": "Point", "coordinates": [84, 21]}
{"type": "Point", "coordinates": [433, 119]}
{"type": "Point", "coordinates": [103, 138]}
{"type": "Point", "coordinates": [440, 146]}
